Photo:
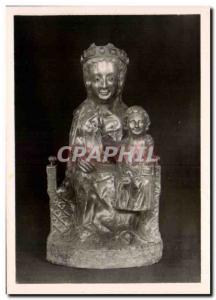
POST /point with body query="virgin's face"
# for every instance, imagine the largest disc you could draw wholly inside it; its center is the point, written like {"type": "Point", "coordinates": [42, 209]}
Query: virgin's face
{"type": "Point", "coordinates": [104, 79]}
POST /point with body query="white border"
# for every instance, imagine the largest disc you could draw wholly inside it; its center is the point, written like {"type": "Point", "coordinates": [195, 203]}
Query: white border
{"type": "Point", "coordinates": [141, 288]}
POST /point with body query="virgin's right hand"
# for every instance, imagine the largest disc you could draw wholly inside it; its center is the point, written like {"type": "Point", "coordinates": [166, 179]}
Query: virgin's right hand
{"type": "Point", "coordinates": [85, 166]}
{"type": "Point", "coordinates": [125, 180]}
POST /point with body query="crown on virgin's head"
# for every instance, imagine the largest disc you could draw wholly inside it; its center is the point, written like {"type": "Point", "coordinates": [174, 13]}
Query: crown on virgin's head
{"type": "Point", "coordinates": [108, 50]}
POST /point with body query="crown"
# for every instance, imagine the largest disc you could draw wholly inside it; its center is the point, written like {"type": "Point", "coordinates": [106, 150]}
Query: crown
{"type": "Point", "coordinates": [108, 50]}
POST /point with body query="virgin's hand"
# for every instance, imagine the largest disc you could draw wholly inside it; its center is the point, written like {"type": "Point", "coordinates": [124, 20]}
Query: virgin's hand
{"type": "Point", "coordinates": [85, 166]}
{"type": "Point", "coordinates": [126, 180]}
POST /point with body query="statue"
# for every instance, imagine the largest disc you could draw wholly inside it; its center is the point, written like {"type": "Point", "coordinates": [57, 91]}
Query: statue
{"type": "Point", "coordinates": [105, 213]}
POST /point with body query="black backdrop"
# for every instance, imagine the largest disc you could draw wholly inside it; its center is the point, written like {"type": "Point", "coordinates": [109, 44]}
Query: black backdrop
{"type": "Point", "coordinates": [163, 76]}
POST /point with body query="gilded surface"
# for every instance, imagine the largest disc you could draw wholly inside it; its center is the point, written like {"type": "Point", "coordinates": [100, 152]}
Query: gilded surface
{"type": "Point", "coordinates": [105, 214]}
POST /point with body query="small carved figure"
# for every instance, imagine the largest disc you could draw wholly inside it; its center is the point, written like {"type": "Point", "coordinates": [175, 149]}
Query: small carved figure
{"type": "Point", "coordinates": [135, 184]}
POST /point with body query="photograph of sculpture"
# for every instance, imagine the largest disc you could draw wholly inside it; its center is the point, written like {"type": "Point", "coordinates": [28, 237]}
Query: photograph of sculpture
{"type": "Point", "coordinates": [107, 149]}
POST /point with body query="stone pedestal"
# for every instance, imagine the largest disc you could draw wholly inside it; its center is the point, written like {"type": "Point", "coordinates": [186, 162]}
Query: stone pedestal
{"type": "Point", "coordinates": [72, 253]}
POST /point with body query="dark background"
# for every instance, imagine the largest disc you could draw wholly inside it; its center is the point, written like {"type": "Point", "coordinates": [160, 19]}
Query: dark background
{"type": "Point", "coordinates": [163, 77]}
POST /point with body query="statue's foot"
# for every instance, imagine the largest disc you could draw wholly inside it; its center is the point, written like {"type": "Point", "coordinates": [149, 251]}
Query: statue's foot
{"type": "Point", "coordinates": [126, 236]}
{"type": "Point", "coordinates": [85, 232]}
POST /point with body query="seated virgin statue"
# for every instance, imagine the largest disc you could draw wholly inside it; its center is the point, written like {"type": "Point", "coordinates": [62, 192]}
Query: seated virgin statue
{"type": "Point", "coordinates": [105, 214]}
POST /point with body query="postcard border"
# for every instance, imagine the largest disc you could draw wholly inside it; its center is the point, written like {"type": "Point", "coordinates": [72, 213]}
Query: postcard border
{"type": "Point", "coordinates": [139, 288]}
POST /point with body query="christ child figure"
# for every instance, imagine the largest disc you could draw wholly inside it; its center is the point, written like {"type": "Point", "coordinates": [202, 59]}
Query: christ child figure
{"type": "Point", "coordinates": [134, 186]}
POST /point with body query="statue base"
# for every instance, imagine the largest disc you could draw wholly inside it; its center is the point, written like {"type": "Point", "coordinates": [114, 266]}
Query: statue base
{"type": "Point", "coordinates": [70, 253]}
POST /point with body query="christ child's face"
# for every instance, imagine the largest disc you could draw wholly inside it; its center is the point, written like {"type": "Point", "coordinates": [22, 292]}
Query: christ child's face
{"type": "Point", "coordinates": [104, 79]}
{"type": "Point", "coordinates": [136, 124]}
